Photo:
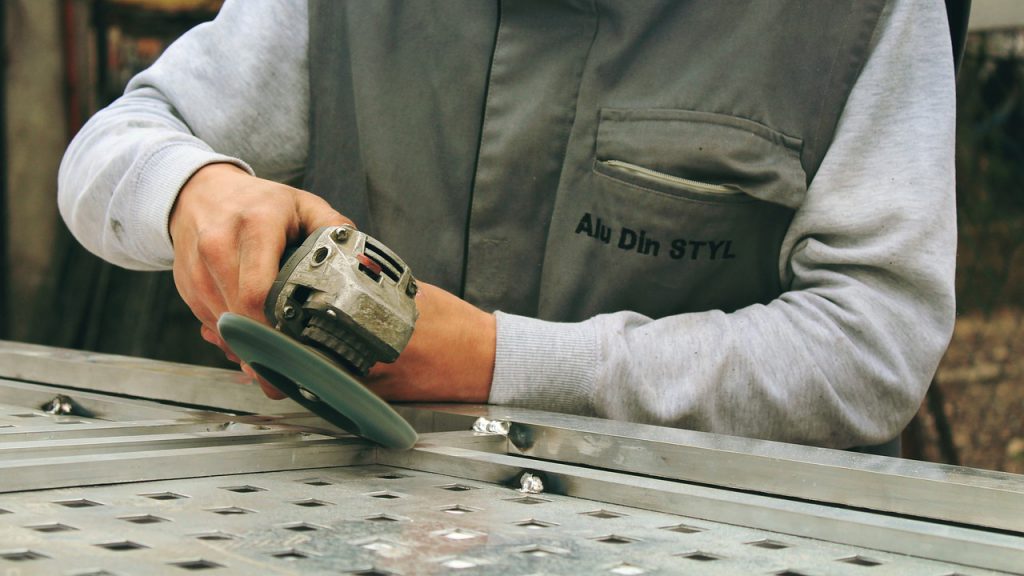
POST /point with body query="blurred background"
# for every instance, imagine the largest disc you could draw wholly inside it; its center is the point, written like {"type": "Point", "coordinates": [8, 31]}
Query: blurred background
{"type": "Point", "coordinates": [63, 59]}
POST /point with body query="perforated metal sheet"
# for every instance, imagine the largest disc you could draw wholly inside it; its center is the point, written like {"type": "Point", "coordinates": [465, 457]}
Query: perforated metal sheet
{"type": "Point", "coordinates": [383, 520]}
{"type": "Point", "coordinates": [133, 486]}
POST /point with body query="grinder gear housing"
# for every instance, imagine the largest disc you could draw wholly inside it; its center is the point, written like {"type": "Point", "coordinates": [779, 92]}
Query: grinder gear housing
{"type": "Point", "coordinates": [347, 295]}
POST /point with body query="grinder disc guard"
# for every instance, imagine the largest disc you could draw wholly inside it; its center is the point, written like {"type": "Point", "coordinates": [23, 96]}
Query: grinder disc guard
{"type": "Point", "coordinates": [315, 382]}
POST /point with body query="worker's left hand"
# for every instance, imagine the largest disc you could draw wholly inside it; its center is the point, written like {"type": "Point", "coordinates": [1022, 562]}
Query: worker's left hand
{"type": "Point", "coordinates": [450, 357]}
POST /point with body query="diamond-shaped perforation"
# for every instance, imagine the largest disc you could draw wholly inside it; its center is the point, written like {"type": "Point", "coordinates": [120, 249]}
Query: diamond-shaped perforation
{"type": "Point", "coordinates": [52, 527]}
{"type": "Point", "coordinates": [302, 527]}
{"type": "Point", "coordinates": [384, 495]}
{"type": "Point", "coordinates": [393, 476]}
{"type": "Point", "coordinates": [383, 518]}
{"type": "Point", "coordinates": [627, 569]}
{"type": "Point", "coordinates": [542, 550]}
{"type": "Point", "coordinates": [316, 482]}
{"type": "Point", "coordinates": [122, 546]}
{"type": "Point", "coordinates": [458, 510]}
{"type": "Point", "coordinates": [144, 519]}
{"type": "Point", "coordinates": [231, 511]}
{"type": "Point", "coordinates": [380, 545]}
{"type": "Point", "coordinates": [290, 554]}
{"type": "Point", "coordinates": [700, 556]}
{"type": "Point", "coordinates": [78, 503]}
{"type": "Point", "coordinates": [164, 496]}
{"type": "Point", "coordinates": [312, 503]}
{"type": "Point", "coordinates": [534, 524]}
{"type": "Point", "coordinates": [371, 572]}
{"type": "Point", "coordinates": [244, 489]}
{"type": "Point", "coordinates": [458, 534]}
{"type": "Point", "coordinates": [456, 487]}
{"type": "Point", "coordinates": [22, 555]}
{"type": "Point", "coordinates": [683, 529]}
{"type": "Point", "coordinates": [768, 544]}
{"type": "Point", "coordinates": [214, 536]}
{"type": "Point", "coordinates": [615, 539]}
{"type": "Point", "coordinates": [861, 561]}
{"type": "Point", "coordinates": [197, 564]}
{"type": "Point", "coordinates": [529, 500]}
{"type": "Point", "coordinates": [603, 514]}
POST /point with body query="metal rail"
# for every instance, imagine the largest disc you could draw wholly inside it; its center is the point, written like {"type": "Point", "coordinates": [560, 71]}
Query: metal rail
{"type": "Point", "coordinates": [893, 485]}
{"type": "Point", "coordinates": [868, 511]}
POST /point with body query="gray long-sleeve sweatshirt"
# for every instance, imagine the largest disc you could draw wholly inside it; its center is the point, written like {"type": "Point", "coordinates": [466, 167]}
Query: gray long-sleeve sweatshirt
{"type": "Point", "coordinates": [841, 359]}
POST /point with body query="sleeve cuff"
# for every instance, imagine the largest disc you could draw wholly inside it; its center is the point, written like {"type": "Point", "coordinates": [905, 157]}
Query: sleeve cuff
{"type": "Point", "coordinates": [160, 180]}
{"type": "Point", "coordinates": [544, 365]}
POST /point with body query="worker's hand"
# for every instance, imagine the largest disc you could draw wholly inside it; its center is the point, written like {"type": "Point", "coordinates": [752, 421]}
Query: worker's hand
{"type": "Point", "coordinates": [449, 358]}
{"type": "Point", "coordinates": [229, 231]}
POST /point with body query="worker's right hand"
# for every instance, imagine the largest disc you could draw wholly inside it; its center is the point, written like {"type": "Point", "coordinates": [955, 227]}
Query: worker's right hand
{"type": "Point", "coordinates": [229, 230]}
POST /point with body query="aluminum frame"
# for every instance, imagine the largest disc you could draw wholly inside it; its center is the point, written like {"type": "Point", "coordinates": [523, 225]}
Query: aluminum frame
{"type": "Point", "coordinates": [954, 515]}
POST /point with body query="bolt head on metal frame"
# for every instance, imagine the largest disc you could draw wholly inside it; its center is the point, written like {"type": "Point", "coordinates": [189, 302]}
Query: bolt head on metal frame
{"type": "Point", "coordinates": [531, 484]}
{"type": "Point", "coordinates": [487, 426]}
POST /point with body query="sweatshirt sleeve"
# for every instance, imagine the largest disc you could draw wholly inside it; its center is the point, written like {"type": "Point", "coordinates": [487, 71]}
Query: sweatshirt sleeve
{"type": "Point", "coordinates": [844, 357]}
{"type": "Point", "coordinates": [233, 88]}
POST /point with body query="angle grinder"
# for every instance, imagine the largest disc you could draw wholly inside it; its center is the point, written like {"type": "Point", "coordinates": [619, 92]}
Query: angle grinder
{"type": "Point", "coordinates": [342, 302]}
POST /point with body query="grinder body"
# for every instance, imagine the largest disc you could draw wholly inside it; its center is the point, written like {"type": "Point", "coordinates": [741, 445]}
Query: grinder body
{"type": "Point", "coordinates": [347, 295]}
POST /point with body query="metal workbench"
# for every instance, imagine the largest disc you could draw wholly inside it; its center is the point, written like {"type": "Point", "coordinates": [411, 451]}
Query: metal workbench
{"type": "Point", "coordinates": [170, 469]}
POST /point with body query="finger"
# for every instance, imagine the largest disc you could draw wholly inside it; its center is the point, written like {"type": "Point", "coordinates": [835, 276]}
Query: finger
{"type": "Point", "coordinates": [192, 288]}
{"type": "Point", "coordinates": [210, 335]}
{"type": "Point", "coordinates": [259, 258]}
{"type": "Point", "coordinates": [267, 387]}
{"type": "Point", "coordinates": [269, 391]}
{"type": "Point", "coordinates": [218, 254]}
{"type": "Point", "coordinates": [207, 307]}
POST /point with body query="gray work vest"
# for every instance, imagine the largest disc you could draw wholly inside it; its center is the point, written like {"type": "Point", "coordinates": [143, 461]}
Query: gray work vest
{"type": "Point", "coordinates": [566, 158]}
{"type": "Point", "coordinates": [561, 159]}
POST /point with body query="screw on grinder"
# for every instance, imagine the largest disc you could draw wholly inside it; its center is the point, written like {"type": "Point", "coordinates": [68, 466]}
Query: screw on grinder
{"type": "Point", "coordinates": [341, 303]}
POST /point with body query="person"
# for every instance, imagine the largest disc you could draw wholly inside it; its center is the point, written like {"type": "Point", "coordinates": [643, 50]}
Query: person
{"type": "Point", "coordinates": [731, 217]}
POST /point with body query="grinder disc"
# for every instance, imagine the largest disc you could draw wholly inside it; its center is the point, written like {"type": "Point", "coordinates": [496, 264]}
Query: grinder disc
{"type": "Point", "coordinates": [316, 383]}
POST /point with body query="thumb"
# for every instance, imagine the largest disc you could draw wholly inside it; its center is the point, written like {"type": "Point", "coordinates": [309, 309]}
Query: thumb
{"type": "Point", "coordinates": [314, 212]}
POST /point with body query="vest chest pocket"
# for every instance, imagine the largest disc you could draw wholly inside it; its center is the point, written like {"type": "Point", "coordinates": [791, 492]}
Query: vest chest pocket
{"type": "Point", "coordinates": [681, 211]}
{"type": "Point", "coordinates": [646, 177]}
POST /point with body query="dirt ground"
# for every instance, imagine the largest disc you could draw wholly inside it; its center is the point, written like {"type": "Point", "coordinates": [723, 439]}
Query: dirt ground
{"type": "Point", "coordinates": [981, 384]}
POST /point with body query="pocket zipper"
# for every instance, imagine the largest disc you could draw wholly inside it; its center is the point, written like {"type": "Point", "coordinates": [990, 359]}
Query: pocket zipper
{"type": "Point", "coordinates": [670, 179]}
